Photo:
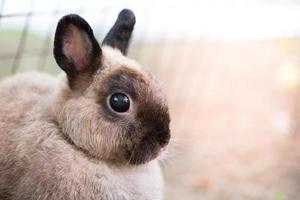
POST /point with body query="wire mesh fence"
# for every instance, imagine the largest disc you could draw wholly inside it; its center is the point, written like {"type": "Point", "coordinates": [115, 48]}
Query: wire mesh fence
{"type": "Point", "coordinates": [21, 46]}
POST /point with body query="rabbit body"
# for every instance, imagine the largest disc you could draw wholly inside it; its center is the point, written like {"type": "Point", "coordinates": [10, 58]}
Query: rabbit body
{"type": "Point", "coordinates": [36, 162]}
{"type": "Point", "coordinates": [93, 133]}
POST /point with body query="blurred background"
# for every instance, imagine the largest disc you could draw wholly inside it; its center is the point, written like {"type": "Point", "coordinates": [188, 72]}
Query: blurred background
{"type": "Point", "coordinates": [231, 72]}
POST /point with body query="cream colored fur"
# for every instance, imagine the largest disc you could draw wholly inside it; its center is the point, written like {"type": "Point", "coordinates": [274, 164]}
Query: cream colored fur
{"type": "Point", "coordinates": [37, 161]}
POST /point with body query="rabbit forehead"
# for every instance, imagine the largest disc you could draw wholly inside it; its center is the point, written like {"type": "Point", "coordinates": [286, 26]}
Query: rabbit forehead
{"type": "Point", "coordinates": [122, 78]}
{"type": "Point", "coordinates": [120, 71]}
{"type": "Point", "coordinates": [113, 57]}
{"type": "Point", "coordinates": [123, 74]}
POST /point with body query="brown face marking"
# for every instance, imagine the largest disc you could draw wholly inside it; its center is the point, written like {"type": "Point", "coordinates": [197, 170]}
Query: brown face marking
{"type": "Point", "coordinates": [121, 79]}
{"type": "Point", "coordinates": [126, 80]}
{"type": "Point", "coordinates": [154, 120]}
{"type": "Point", "coordinates": [146, 127]}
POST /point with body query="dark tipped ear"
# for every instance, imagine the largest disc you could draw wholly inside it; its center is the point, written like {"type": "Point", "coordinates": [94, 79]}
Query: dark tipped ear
{"type": "Point", "coordinates": [76, 50]}
{"type": "Point", "coordinates": [119, 35]}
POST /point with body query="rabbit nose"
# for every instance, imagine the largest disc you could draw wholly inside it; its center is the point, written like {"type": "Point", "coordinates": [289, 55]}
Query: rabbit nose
{"type": "Point", "coordinates": [163, 138]}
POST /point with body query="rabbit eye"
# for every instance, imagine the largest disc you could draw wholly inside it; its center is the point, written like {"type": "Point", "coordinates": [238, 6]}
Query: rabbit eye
{"type": "Point", "coordinates": [119, 102]}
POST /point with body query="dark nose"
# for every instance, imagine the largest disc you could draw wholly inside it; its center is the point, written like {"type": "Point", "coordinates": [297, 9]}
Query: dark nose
{"type": "Point", "coordinates": [163, 132]}
{"type": "Point", "coordinates": [163, 137]}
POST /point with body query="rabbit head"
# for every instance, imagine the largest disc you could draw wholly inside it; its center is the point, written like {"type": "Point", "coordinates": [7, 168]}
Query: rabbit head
{"type": "Point", "coordinates": [110, 109]}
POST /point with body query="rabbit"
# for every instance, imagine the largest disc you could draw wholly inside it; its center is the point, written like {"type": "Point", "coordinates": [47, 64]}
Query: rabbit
{"type": "Point", "coordinates": [95, 132]}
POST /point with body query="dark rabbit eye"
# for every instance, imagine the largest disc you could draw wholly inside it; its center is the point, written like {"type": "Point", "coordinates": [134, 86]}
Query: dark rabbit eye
{"type": "Point", "coordinates": [119, 102]}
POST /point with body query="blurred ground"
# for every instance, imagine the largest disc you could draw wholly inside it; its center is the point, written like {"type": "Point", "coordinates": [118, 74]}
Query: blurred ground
{"type": "Point", "coordinates": [233, 108]}
{"type": "Point", "coordinates": [234, 113]}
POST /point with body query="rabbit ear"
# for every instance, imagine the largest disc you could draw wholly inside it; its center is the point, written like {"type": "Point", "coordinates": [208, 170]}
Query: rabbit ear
{"type": "Point", "coordinates": [119, 35]}
{"type": "Point", "coordinates": [76, 50]}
